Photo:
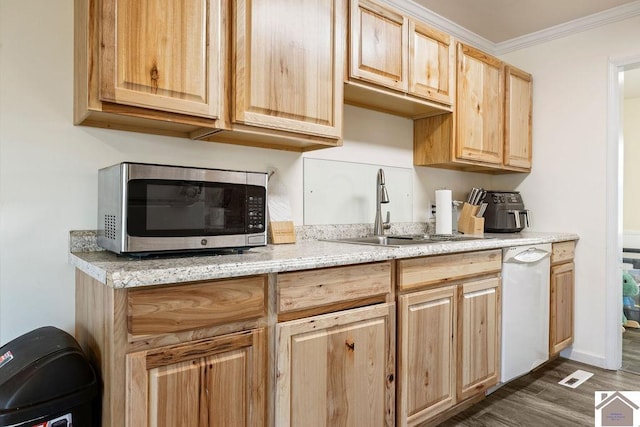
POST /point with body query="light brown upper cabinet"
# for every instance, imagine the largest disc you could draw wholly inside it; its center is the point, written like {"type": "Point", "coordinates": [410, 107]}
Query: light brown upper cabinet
{"type": "Point", "coordinates": [490, 127]}
{"type": "Point", "coordinates": [517, 123]}
{"type": "Point", "coordinates": [479, 108]}
{"type": "Point", "coordinates": [287, 60]}
{"type": "Point", "coordinates": [150, 66]}
{"type": "Point", "coordinates": [397, 65]}
{"type": "Point", "coordinates": [379, 44]}
{"type": "Point", "coordinates": [431, 63]}
{"type": "Point", "coordinates": [163, 54]}
{"type": "Point", "coordinates": [267, 73]}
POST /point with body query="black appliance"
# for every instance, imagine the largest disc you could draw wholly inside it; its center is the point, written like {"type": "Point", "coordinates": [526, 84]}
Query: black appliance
{"type": "Point", "coordinates": [46, 380]}
{"type": "Point", "coordinates": [505, 212]}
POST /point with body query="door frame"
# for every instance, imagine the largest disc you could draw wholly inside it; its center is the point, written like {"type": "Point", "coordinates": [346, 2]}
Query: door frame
{"type": "Point", "coordinates": [614, 199]}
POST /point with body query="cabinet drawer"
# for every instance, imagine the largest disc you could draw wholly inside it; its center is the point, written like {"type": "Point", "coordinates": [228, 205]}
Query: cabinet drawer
{"type": "Point", "coordinates": [563, 252]}
{"type": "Point", "coordinates": [417, 272]}
{"type": "Point", "coordinates": [176, 308]}
{"type": "Point", "coordinates": [304, 290]}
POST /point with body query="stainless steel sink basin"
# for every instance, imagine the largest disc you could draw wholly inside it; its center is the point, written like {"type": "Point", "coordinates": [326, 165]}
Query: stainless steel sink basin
{"type": "Point", "coordinates": [405, 240]}
{"type": "Point", "coordinates": [379, 241]}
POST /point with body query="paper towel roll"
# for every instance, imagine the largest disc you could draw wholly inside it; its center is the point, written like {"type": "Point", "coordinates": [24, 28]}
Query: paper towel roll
{"type": "Point", "coordinates": [443, 212]}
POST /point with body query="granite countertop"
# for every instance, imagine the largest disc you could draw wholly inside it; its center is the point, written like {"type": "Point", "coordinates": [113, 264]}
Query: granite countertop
{"type": "Point", "coordinates": [127, 272]}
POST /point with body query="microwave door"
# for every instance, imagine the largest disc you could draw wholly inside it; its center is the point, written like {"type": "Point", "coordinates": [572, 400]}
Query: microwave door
{"type": "Point", "coordinates": [171, 208]}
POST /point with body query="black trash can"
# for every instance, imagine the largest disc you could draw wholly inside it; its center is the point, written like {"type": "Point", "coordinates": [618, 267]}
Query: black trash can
{"type": "Point", "coordinates": [46, 381]}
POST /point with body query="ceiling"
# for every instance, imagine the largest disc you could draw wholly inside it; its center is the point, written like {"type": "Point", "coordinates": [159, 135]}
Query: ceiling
{"type": "Point", "coordinates": [501, 20]}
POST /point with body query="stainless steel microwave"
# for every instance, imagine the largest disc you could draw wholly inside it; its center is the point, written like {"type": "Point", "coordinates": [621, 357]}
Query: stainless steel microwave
{"type": "Point", "coordinates": [147, 208]}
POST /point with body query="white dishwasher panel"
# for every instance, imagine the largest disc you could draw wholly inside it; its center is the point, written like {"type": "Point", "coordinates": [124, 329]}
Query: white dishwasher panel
{"type": "Point", "coordinates": [525, 309]}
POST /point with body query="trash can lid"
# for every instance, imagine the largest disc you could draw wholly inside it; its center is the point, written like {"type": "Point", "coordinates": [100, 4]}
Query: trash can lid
{"type": "Point", "coordinates": [44, 366]}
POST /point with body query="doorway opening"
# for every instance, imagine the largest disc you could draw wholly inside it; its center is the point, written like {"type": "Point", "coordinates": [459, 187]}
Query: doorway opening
{"type": "Point", "coordinates": [630, 129]}
{"type": "Point", "coordinates": [620, 347]}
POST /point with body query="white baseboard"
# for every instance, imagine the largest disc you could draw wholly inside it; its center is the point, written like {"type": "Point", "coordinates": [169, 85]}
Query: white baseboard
{"type": "Point", "coordinates": [588, 358]}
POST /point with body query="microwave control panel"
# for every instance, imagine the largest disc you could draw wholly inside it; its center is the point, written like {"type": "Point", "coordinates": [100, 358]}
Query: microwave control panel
{"type": "Point", "coordinates": [256, 210]}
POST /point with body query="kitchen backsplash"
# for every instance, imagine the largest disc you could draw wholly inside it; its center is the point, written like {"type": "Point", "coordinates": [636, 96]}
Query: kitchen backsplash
{"type": "Point", "coordinates": [86, 240]}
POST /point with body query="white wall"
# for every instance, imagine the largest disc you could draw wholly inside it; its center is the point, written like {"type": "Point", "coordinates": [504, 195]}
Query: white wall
{"type": "Point", "coordinates": [566, 190]}
{"type": "Point", "coordinates": [383, 139]}
{"type": "Point", "coordinates": [48, 167]}
{"type": "Point", "coordinates": [631, 212]}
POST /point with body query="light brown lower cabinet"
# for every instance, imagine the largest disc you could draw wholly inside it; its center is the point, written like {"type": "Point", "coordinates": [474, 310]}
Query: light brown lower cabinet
{"type": "Point", "coordinates": [561, 297]}
{"type": "Point", "coordinates": [448, 332]}
{"type": "Point", "coordinates": [478, 336]}
{"type": "Point", "coordinates": [188, 354]}
{"type": "Point", "coordinates": [561, 328]}
{"type": "Point", "coordinates": [449, 347]}
{"type": "Point", "coordinates": [427, 353]}
{"type": "Point", "coordinates": [337, 369]}
{"type": "Point", "coordinates": [324, 353]}
{"type": "Point", "coordinates": [212, 382]}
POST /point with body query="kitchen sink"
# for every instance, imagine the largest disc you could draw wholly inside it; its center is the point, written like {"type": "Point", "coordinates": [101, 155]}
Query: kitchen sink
{"type": "Point", "coordinates": [379, 241]}
{"type": "Point", "coordinates": [409, 239]}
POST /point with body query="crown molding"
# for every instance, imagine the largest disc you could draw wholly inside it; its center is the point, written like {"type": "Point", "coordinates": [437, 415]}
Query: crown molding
{"type": "Point", "coordinates": [609, 16]}
{"type": "Point", "coordinates": [443, 24]}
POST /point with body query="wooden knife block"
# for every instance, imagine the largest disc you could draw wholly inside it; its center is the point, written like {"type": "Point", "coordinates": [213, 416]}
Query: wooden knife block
{"type": "Point", "coordinates": [468, 222]}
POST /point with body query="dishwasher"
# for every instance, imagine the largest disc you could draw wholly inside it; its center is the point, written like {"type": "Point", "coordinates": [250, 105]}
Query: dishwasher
{"type": "Point", "coordinates": [525, 309]}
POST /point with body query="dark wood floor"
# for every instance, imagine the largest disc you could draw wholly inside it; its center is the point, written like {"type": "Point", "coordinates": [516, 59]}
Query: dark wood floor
{"type": "Point", "coordinates": [538, 400]}
{"type": "Point", "coordinates": [631, 350]}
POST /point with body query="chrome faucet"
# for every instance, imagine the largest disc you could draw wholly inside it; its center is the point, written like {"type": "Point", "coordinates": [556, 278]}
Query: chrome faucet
{"type": "Point", "coordinates": [381, 197]}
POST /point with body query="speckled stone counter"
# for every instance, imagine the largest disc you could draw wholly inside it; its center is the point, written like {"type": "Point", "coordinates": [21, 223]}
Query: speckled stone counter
{"type": "Point", "coordinates": [126, 272]}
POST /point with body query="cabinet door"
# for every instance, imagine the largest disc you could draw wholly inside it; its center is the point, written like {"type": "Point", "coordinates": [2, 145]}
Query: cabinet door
{"type": "Point", "coordinates": [288, 65]}
{"type": "Point", "coordinates": [431, 63]}
{"type": "Point", "coordinates": [337, 369]}
{"type": "Point", "coordinates": [426, 359]}
{"type": "Point", "coordinates": [163, 54]}
{"type": "Point", "coordinates": [479, 106]}
{"type": "Point", "coordinates": [379, 45]}
{"type": "Point", "coordinates": [561, 308]}
{"type": "Point", "coordinates": [212, 382]}
{"type": "Point", "coordinates": [517, 132]}
{"type": "Point", "coordinates": [478, 336]}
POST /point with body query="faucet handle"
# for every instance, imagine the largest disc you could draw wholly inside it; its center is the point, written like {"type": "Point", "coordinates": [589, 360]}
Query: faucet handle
{"type": "Point", "coordinates": [387, 224]}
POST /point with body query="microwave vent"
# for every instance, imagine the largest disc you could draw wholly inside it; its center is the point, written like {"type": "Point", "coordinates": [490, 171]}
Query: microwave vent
{"type": "Point", "coordinates": [110, 227]}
